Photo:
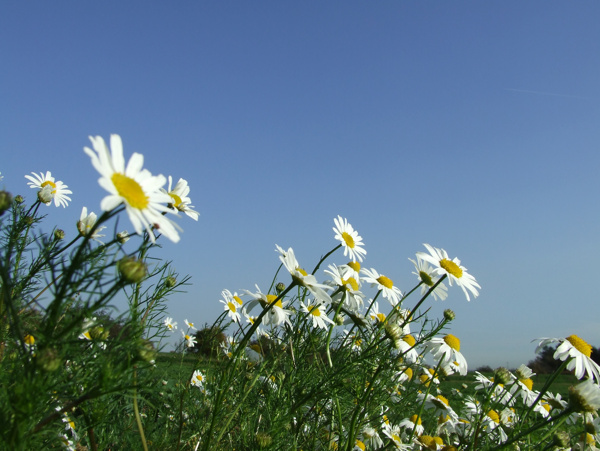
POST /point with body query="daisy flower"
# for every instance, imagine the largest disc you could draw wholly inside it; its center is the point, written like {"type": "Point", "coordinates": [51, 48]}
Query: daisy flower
{"type": "Point", "coordinates": [189, 324]}
{"type": "Point", "coordinates": [190, 340]}
{"type": "Point", "coordinates": [343, 277]}
{"type": "Point", "coordinates": [447, 350]}
{"type": "Point", "coordinates": [426, 276]}
{"type": "Point", "coordinates": [318, 314]}
{"type": "Point", "coordinates": [132, 186]}
{"type": "Point", "coordinates": [456, 273]}
{"type": "Point", "coordinates": [231, 306]}
{"type": "Point", "coordinates": [579, 354]}
{"type": "Point", "coordinates": [86, 223]}
{"type": "Point", "coordinates": [278, 313]}
{"type": "Point", "coordinates": [385, 284]}
{"type": "Point", "coordinates": [179, 198]}
{"type": "Point", "coordinates": [413, 422]}
{"type": "Point", "coordinates": [375, 314]}
{"type": "Point", "coordinates": [197, 379]}
{"type": "Point", "coordinates": [170, 324]}
{"type": "Point", "coordinates": [301, 277]}
{"type": "Point", "coordinates": [349, 238]}
{"type": "Point", "coordinates": [56, 190]}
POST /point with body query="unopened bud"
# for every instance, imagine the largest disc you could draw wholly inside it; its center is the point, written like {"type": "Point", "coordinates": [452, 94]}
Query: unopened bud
{"type": "Point", "coordinates": [146, 351]}
{"type": "Point", "coordinates": [19, 199]}
{"type": "Point", "coordinates": [561, 439]}
{"type": "Point", "coordinates": [59, 234]}
{"type": "Point", "coordinates": [132, 270]}
{"type": "Point", "coordinates": [263, 440]}
{"type": "Point", "coordinates": [502, 376]}
{"type": "Point", "coordinates": [394, 333]}
{"type": "Point", "coordinates": [339, 320]}
{"type": "Point", "coordinates": [98, 333]}
{"type": "Point", "coordinates": [280, 287]}
{"type": "Point", "coordinates": [45, 195]}
{"type": "Point", "coordinates": [170, 282]}
{"type": "Point", "coordinates": [449, 315]}
{"type": "Point", "coordinates": [5, 201]}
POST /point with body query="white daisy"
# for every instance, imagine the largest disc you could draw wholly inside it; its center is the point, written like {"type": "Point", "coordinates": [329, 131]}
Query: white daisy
{"type": "Point", "coordinates": [197, 379]}
{"type": "Point", "coordinates": [343, 278]}
{"type": "Point", "coordinates": [231, 305]}
{"type": "Point", "coordinates": [170, 324]}
{"type": "Point", "coordinates": [87, 222]}
{"type": "Point", "coordinates": [447, 350]}
{"type": "Point", "coordinates": [57, 190]}
{"type": "Point", "coordinates": [179, 198]}
{"type": "Point", "coordinates": [190, 340]}
{"type": "Point", "coordinates": [133, 186]}
{"type": "Point", "coordinates": [385, 284]}
{"type": "Point", "coordinates": [189, 324]}
{"type": "Point", "coordinates": [349, 238]}
{"type": "Point", "coordinates": [277, 315]}
{"type": "Point", "coordinates": [318, 314]}
{"type": "Point", "coordinates": [579, 354]}
{"type": "Point", "coordinates": [301, 277]}
{"type": "Point", "coordinates": [456, 273]}
{"type": "Point", "coordinates": [425, 273]}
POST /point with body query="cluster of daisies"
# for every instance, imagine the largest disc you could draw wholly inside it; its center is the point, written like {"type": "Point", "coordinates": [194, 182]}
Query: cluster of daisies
{"type": "Point", "coordinates": [142, 194]}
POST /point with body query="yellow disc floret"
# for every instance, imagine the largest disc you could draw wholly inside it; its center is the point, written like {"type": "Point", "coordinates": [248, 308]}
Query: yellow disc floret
{"type": "Point", "coordinates": [451, 268]}
{"type": "Point", "coordinates": [386, 282]}
{"type": "Point", "coordinates": [348, 240]}
{"type": "Point", "coordinates": [49, 183]}
{"type": "Point", "coordinates": [130, 190]}
{"type": "Point", "coordinates": [453, 342]}
{"type": "Point", "coordinates": [580, 345]}
{"type": "Point", "coordinates": [355, 266]}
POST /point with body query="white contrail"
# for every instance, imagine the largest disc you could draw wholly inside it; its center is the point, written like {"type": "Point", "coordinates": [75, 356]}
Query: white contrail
{"type": "Point", "coordinates": [541, 93]}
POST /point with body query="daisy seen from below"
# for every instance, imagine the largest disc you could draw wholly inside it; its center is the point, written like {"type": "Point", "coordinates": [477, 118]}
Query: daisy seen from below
{"type": "Point", "coordinates": [277, 315]}
{"type": "Point", "coordinates": [86, 223]}
{"type": "Point", "coordinates": [349, 238]}
{"type": "Point", "coordinates": [55, 190]}
{"type": "Point", "coordinates": [383, 283]}
{"type": "Point", "coordinates": [317, 313]}
{"type": "Point", "coordinates": [447, 350]}
{"type": "Point", "coordinates": [301, 277]}
{"type": "Point", "coordinates": [428, 279]}
{"type": "Point", "coordinates": [343, 278]}
{"type": "Point", "coordinates": [456, 273]}
{"type": "Point", "coordinates": [578, 352]}
{"type": "Point", "coordinates": [170, 324]}
{"type": "Point", "coordinates": [231, 305]}
{"type": "Point", "coordinates": [190, 340]}
{"type": "Point", "coordinates": [132, 186]}
{"type": "Point", "coordinates": [189, 324]}
{"type": "Point", "coordinates": [179, 198]}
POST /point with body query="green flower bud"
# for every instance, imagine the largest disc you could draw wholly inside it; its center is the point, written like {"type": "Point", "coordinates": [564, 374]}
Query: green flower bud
{"type": "Point", "coordinates": [123, 237]}
{"type": "Point", "coordinates": [146, 351]}
{"type": "Point", "coordinates": [132, 270]}
{"type": "Point", "coordinates": [449, 315]}
{"type": "Point", "coordinates": [502, 376]}
{"type": "Point", "coordinates": [561, 439]}
{"type": "Point", "coordinates": [339, 320]}
{"type": "Point", "coordinates": [19, 199]}
{"type": "Point", "coordinates": [263, 440]}
{"type": "Point", "coordinates": [170, 282]}
{"type": "Point", "coordinates": [98, 333]}
{"type": "Point", "coordinates": [48, 359]}
{"type": "Point", "coordinates": [280, 287]}
{"type": "Point", "coordinates": [5, 201]}
{"type": "Point", "coordinates": [59, 234]}
{"type": "Point", "coordinates": [45, 195]}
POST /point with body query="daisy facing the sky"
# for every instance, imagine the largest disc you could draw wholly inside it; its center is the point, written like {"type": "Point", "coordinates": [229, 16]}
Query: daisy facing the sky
{"type": "Point", "coordinates": [452, 268]}
{"type": "Point", "coordinates": [56, 190]}
{"type": "Point", "coordinates": [349, 238]}
{"type": "Point", "coordinates": [179, 198]}
{"type": "Point", "coordinates": [318, 314]}
{"type": "Point", "coordinates": [132, 186]}
{"type": "Point", "coordinates": [383, 283]}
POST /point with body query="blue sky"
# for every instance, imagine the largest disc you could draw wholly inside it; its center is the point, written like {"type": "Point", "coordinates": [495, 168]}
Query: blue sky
{"type": "Point", "coordinates": [472, 126]}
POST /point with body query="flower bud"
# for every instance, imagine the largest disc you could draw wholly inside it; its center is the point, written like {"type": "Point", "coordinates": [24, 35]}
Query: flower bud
{"type": "Point", "coordinates": [45, 195]}
{"type": "Point", "coordinates": [48, 359]}
{"type": "Point", "coordinates": [339, 320]}
{"type": "Point", "coordinates": [132, 270]}
{"type": "Point", "coordinates": [5, 201]}
{"type": "Point", "coordinates": [19, 199]}
{"type": "Point", "coordinates": [59, 234]}
{"type": "Point", "coordinates": [502, 376]}
{"type": "Point", "coordinates": [123, 237]}
{"type": "Point", "coordinates": [280, 287]}
{"type": "Point", "coordinates": [146, 351]}
{"type": "Point", "coordinates": [170, 282]}
{"type": "Point", "coordinates": [98, 333]}
{"type": "Point", "coordinates": [394, 333]}
{"type": "Point", "coordinates": [263, 440]}
{"type": "Point", "coordinates": [449, 315]}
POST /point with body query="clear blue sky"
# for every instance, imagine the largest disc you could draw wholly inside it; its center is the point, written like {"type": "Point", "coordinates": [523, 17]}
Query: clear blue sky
{"type": "Point", "coordinates": [472, 126]}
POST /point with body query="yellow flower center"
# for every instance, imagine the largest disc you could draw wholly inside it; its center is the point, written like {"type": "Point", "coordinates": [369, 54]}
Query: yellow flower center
{"type": "Point", "coordinates": [29, 340]}
{"type": "Point", "coordinates": [314, 310]}
{"type": "Point", "coordinates": [386, 282]}
{"type": "Point", "coordinates": [415, 419]}
{"type": "Point", "coordinates": [354, 265]}
{"type": "Point", "coordinates": [451, 268]}
{"type": "Point", "coordinates": [352, 282]}
{"type": "Point", "coordinates": [440, 401]}
{"type": "Point", "coordinates": [176, 199]}
{"type": "Point", "coordinates": [49, 183]}
{"type": "Point", "coordinates": [360, 445]}
{"type": "Point", "coordinates": [199, 377]}
{"type": "Point", "coordinates": [231, 306]}
{"type": "Point", "coordinates": [380, 317]}
{"type": "Point", "coordinates": [493, 416]}
{"type": "Point", "coordinates": [528, 383]}
{"type": "Point", "coordinates": [580, 345]}
{"type": "Point", "coordinates": [271, 298]}
{"type": "Point", "coordinates": [426, 278]}
{"type": "Point", "coordinates": [238, 300]}
{"type": "Point", "coordinates": [410, 340]}
{"type": "Point", "coordinates": [301, 271]}
{"type": "Point", "coordinates": [409, 373]}
{"type": "Point", "coordinates": [348, 240]}
{"type": "Point", "coordinates": [453, 342]}
{"type": "Point", "coordinates": [130, 190]}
